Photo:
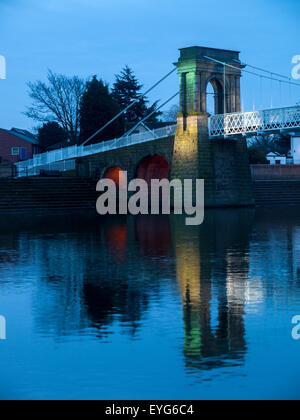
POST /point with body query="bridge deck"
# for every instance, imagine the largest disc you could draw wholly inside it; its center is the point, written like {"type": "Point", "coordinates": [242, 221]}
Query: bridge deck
{"type": "Point", "coordinates": [56, 159]}
{"type": "Point", "coordinates": [271, 120]}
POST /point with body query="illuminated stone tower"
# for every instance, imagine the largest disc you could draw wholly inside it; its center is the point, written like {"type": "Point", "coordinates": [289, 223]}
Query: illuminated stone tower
{"type": "Point", "coordinates": [222, 163]}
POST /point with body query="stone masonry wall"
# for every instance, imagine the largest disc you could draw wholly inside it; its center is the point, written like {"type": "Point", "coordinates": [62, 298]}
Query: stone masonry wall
{"type": "Point", "coordinates": [233, 184]}
{"type": "Point", "coordinates": [127, 158]}
{"type": "Point", "coordinates": [222, 163]}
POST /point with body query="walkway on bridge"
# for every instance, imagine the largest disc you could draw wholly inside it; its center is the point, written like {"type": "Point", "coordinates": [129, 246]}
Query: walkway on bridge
{"type": "Point", "coordinates": [220, 126]}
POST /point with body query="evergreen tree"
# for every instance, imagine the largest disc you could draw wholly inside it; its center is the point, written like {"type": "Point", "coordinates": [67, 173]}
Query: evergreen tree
{"type": "Point", "coordinates": [126, 90]}
{"type": "Point", "coordinates": [283, 143]}
{"type": "Point", "coordinates": [51, 133]}
{"type": "Point", "coordinates": [96, 109]}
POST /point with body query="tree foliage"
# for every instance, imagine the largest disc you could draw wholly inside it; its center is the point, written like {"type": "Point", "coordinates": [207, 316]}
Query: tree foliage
{"type": "Point", "coordinates": [271, 143]}
{"type": "Point", "coordinates": [171, 114]}
{"type": "Point", "coordinates": [264, 143]}
{"type": "Point", "coordinates": [283, 144]}
{"type": "Point", "coordinates": [257, 156]}
{"type": "Point", "coordinates": [57, 100]}
{"type": "Point", "coordinates": [51, 133]}
{"type": "Point", "coordinates": [97, 107]}
{"type": "Point", "coordinates": [126, 90]}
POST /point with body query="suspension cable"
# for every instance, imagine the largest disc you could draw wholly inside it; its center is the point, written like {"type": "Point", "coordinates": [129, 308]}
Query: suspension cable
{"type": "Point", "coordinates": [128, 107]}
{"type": "Point", "coordinates": [150, 115]}
{"type": "Point", "coordinates": [255, 74]}
{"type": "Point", "coordinates": [265, 71]}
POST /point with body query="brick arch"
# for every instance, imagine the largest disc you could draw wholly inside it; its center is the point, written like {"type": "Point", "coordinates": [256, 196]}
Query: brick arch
{"type": "Point", "coordinates": [116, 174]}
{"type": "Point", "coordinates": [153, 167]}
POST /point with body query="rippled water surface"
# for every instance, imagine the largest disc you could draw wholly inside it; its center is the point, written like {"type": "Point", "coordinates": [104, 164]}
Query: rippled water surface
{"type": "Point", "coordinates": [147, 308]}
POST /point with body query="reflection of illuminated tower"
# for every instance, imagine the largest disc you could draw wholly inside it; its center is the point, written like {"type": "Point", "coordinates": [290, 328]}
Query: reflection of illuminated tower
{"type": "Point", "coordinates": [204, 265]}
{"type": "Point", "coordinates": [188, 275]}
{"type": "Point", "coordinates": [195, 289]}
{"type": "Point", "coordinates": [296, 250]}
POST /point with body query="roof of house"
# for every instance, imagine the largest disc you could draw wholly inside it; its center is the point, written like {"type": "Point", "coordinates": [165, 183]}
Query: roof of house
{"type": "Point", "coordinates": [275, 154]}
{"type": "Point", "coordinates": [23, 134]}
{"type": "Point", "coordinates": [161, 124]}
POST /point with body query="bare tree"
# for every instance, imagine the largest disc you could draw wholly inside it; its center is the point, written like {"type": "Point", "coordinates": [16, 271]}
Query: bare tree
{"type": "Point", "coordinates": [264, 142]}
{"type": "Point", "coordinates": [58, 100]}
{"type": "Point", "coordinates": [171, 114]}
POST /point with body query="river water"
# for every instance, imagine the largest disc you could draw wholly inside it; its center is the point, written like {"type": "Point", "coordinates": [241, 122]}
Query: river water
{"type": "Point", "coordinates": [148, 308]}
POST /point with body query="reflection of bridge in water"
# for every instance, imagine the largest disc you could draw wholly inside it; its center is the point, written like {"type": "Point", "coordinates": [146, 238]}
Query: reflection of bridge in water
{"type": "Point", "coordinates": [213, 282]}
{"type": "Point", "coordinates": [121, 267]}
{"type": "Point", "coordinates": [117, 267]}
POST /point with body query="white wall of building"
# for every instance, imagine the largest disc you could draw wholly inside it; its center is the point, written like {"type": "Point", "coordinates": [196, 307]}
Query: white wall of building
{"type": "Point", "coordinates": [295, 146]}
{"type": "Point", "coordinates": [276, 159]}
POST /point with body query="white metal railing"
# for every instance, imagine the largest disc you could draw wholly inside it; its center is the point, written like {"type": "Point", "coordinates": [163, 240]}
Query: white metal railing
{"type": "Point", "coordinates": [253, 122]}
{"type": "Point", "coordinates": [44, 160]}
{"type": "Point", "coordinates": [61, 166]}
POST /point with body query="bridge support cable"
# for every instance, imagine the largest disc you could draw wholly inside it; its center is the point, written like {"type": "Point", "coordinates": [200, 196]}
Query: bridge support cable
{"type": "Point", "coordinates": [272, 92]}
{"type": "Point", "coordinates": [268, 71]}
{"type": "Point", "coordinates": [224, 81]}
{"type": "Point", "coordinates": [284, 79]}
{"type": "Point", "coordinates": [150, 115]}
{"type": "Point", "coordinates": [128, 107]}
{"type": "Point", "coordinates": [289, 81]}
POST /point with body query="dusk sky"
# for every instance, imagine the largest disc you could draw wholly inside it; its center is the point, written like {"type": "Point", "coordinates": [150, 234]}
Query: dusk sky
{"type": "Point", "coordinates": [87, 37]}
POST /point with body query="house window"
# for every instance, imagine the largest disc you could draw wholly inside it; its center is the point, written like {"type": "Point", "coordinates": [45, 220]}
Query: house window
{"type": "Point", "coordinates": [15, 151]}
{"type": "Point", "coordinates": [278, 162]}
{"type": "Point", "coordinates": [23, 153]}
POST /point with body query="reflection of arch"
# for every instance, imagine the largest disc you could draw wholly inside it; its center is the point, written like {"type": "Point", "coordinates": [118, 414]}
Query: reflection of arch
{"type": "Point", "coordinates": [116, 239]}
{"type": "Point", "coordinates": [116, 174]}
{"type": "Point", "coordinates": [153, 167]}
{"type": "Point", "coordinates": [153, 234]}
{"type": "Point", "coordinates": [218, 88]}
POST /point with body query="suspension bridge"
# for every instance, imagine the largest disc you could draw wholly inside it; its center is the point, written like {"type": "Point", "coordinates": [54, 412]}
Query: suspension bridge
{"type": "Point", "coordinates": [200, 143]}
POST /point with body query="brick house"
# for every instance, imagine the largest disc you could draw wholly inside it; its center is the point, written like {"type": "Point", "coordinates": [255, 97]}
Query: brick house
{"type": "Point", "coordinates": [17, 145]}
{"type": "Point", "coordinates": [7, 168]}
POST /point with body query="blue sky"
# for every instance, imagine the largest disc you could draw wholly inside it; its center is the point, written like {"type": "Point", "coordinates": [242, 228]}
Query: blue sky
{"type": "Point", "coordinates": [87, 37]}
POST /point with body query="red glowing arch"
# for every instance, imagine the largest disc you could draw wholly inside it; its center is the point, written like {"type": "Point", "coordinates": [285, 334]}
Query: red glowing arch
{"type": "Point", "coordinates": [116, 174]}
{"type": "Point", "coordinates": [153, 167]}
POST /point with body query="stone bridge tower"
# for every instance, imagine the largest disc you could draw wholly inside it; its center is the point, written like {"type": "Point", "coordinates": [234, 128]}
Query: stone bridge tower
{"type": "Point", "coordinates": [222, 163]}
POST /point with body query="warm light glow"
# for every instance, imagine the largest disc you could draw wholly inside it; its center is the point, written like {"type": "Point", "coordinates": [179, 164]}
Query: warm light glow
{"type": "Point", "coordinates": [116, 237]}
{"type": "Point", "coordinates": [116, 174]}
{"type": "Point", "coordinates": [153, 167]}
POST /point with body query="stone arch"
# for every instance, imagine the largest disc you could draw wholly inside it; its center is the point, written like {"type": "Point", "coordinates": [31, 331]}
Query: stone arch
{"type": "Point", "coordinates": [153, 167]}
{"type": "Point", "coordinates": [199, 65]}
{"type": "Point", "coordinates": [116, 174]}
{"type": "Point", "coordinates": [218, 88]}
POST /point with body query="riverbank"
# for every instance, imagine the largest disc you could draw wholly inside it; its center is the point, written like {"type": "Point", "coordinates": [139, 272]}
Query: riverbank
{"type": "Point", "coordinates": [73, 194]}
